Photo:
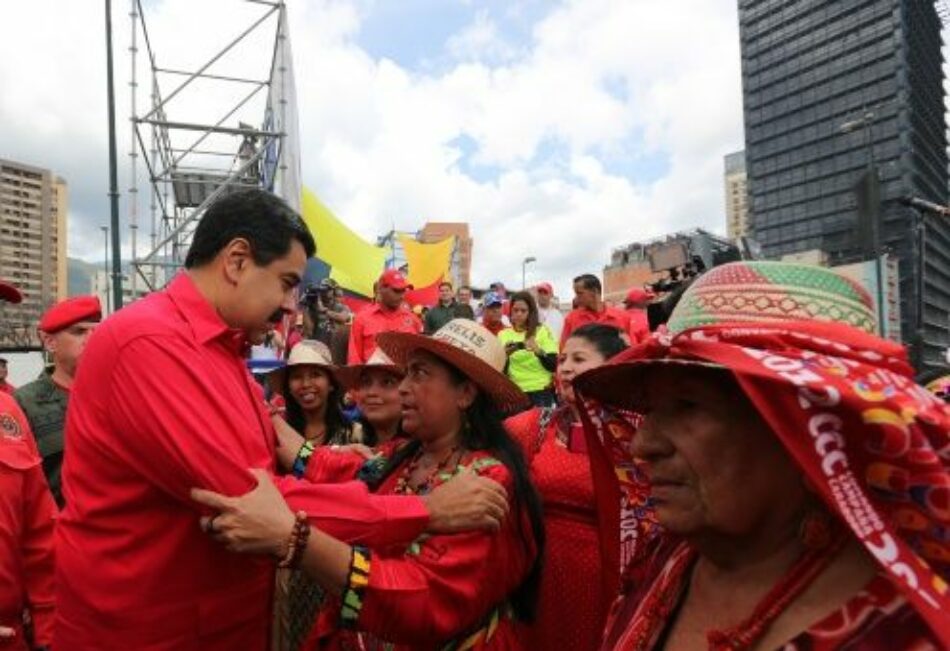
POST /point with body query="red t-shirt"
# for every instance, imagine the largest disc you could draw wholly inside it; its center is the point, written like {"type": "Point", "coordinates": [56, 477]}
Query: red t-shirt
{"type": "Point", "coordinates": [607, 316]}
{"type": "Point", "coordinates": [6, 387]}
{"type": "Point", "coordinates": [27, 513]}
{"type": "Point", "coordinates": [162, 403]}
{"type": "Point", "coordinates": [373, 320]}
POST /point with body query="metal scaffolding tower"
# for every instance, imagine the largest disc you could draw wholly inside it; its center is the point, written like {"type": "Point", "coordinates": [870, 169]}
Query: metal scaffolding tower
{"type": "Point", "coordinates": [198, 138]}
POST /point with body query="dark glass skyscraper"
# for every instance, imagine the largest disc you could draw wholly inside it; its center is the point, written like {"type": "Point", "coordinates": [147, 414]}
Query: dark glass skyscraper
{"type": "Point", "coordinates": [811, 67]}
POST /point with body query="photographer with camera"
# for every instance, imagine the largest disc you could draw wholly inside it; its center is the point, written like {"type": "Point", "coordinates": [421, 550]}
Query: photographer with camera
{"type": "Point", "coordinates": [532, 351]}
{"type": "Point", "coordinates": [325, 312]}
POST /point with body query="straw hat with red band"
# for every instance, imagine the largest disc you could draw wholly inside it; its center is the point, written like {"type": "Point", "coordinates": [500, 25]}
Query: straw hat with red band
{"type": "Point", "coordinates": [9, 293]}
{"type": "Point", "coordinates": [70, 312]}
{"type": "Point", "coordinates": [349, 376]}
{"type": "Point", "coordinates": [470, 348]}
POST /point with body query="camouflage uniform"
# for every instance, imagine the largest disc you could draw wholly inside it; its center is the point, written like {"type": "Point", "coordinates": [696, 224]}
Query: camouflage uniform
{"type": "Point", "coordinates": [45, 406]}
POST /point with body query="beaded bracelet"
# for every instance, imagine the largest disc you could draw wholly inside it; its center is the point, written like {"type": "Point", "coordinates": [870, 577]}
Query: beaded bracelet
{"type": "Point", "coordinates": [303, 458]}
{"type": "Point", "coordinates": [298, 541]}
{"type": "Point", "coordinates": [356, 581]}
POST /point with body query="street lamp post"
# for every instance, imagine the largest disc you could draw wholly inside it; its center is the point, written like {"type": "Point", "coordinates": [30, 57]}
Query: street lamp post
{"type": "Point", "coordinates": [866, 122]}
{"type": "Point", "coordinates": [105, 266]}
{"type": "Point", "coordinates": [524, 265]}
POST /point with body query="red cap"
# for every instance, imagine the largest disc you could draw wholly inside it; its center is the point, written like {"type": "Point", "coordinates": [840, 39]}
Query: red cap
{"type": "Point", "coordinates": [638, 295]}
{"type": "Point", "coordinates": [394, 279]}
{"type": "Point", "coordinates": [69, 312]}
{"type": "Point", "coordinates": [9, 293]}
{"type": "Point", "coordinates": [546, 288]}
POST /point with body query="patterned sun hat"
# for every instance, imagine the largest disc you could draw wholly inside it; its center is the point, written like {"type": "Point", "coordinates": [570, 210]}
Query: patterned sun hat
{"type": "Point", "coordinates": [772, 291]}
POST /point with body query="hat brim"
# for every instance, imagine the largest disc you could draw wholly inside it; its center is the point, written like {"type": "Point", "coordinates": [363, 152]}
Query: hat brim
{"type": "Point", "coordinates": [624, 384]}
{"type": "Point", "coordinates": [10, 294]}
{"type": "Point", "coordinates": [504, 393]}
{"type": "Point", "coordinates": [349, 376]}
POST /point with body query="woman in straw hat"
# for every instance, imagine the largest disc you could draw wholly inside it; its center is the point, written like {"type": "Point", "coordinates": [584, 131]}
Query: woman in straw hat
{"type": "Point", "coordinates": [571, 608]}
{"type": "Point", "coordinates": [375, 388]}
{"type": "Point", "coordinates": [312, 394]}
{"type": "Point", "coordinates": [463, 591]}
{"type": "Point", "coordinates": [800, 475]}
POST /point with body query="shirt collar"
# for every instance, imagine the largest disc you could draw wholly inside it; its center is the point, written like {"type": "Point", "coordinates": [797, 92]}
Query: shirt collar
{"type": "Point", "coordinates": [205, 322]}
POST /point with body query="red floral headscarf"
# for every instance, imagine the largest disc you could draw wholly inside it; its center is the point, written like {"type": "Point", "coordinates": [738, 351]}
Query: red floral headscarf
{"type": "Point", "coordinates": [875, 445]}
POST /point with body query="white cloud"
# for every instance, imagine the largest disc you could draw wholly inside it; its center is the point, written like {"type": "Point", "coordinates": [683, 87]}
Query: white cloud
{"type": "Point", "coordinates": [597, 78]}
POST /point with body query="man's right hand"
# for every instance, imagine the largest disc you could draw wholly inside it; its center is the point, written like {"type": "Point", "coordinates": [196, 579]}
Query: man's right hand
{"type": "Point", "coordinates": [7, 633]}
{"type": "Point", "coordinates": [466, 503]}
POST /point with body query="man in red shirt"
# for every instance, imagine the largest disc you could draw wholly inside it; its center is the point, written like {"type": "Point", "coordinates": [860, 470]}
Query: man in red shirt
{"type": "Point", "coordinates": [388, 314]}
{"type": "Point", "coordinates": [590, 308]}
{"type": "Point", "coordinates": [27, 513]}
{"type": "Point", "coordinates": [163, 403]}
{"type": "Point", "coordinates": [636, 302]}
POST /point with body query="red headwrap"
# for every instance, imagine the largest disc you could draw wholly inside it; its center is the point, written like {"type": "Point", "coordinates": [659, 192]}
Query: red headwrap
{"type": "Point", "coordinates": [875, 445]}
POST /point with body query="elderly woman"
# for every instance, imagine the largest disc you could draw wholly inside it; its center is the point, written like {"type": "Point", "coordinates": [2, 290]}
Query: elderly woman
{"type": "Point", "coordinates": [462, 591]}
{"type": "Point", "coordinates": [571, 607]}
{"type": "Point", "coordinates": [799, 474]}
{"type": "Point", "coordinates": [375, 388]}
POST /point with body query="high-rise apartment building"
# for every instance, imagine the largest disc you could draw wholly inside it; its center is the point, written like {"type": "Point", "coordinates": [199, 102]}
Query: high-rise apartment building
{"type": "Point", "coordinates": [33, 207]}
{"type": "Point", "coordinates": [831, 89]}
{"type": "Point", "coordinates": [737, 205]}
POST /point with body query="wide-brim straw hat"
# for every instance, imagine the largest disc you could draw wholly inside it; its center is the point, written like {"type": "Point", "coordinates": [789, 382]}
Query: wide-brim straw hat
{"type": "Point", "coordinates": [308, 352]}
{"type": "Point", "coordinates": [469, 347]}
{"type": "Point", "coordinates": [739, 292]}
{"type": "Point", "coordinates": [349, 376]}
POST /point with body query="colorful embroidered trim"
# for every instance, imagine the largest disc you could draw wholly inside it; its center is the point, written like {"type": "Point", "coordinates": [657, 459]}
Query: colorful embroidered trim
{"type": "Point", "coordinates": [483, 635]}
{"type": "Point", "coordinates": [303, 458]}
{"type": "Point", "coordinates": [356, 582]}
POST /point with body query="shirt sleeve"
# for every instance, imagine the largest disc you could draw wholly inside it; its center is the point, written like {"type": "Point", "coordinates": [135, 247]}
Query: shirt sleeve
{"type": "Point", "coordinates": [444, 585]}
{"type": "Point", "coordinates": [154, 391]}
{"type": "Point", "coordinates": [39, 514]}
{"type": "Point", "coordinates": [545, 339]}
{"type": "Point", "coordinates": [567, 329]}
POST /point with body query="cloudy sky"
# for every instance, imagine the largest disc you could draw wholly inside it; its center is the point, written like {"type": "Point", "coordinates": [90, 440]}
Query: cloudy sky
{"type": "Point", "coordinates": [558, 130]}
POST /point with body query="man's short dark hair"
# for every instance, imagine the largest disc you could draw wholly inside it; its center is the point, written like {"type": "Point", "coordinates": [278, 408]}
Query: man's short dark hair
{"type": "Point", "coordinates": [261, 218]}
{"type": "Point", "coordinates": [3, 361]}
{"type": "Point", "coordinates": [445, 283]}
{"type": "Point", "coordinates": [589, 281]}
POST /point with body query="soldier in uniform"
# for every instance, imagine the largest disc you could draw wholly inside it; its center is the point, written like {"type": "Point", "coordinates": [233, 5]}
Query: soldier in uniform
{"type": "Point", "coordinates": [27, 514]}
{"type": "Point", "coordinates": [64, 329]}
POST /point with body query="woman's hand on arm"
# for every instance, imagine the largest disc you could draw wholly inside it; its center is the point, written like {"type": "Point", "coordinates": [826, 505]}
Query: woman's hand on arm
{"type": "Point", "coordinates": [258, 522]}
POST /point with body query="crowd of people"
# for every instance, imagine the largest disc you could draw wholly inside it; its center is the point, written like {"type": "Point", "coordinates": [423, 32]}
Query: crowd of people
{"type": "Point", "coordinates": [755, 470]}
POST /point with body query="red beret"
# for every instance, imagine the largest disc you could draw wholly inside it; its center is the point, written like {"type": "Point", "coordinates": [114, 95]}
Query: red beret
{"type": "Point", "coordinates": [9, 293]}
{"type": "Point", "coordinates": [71, 311]}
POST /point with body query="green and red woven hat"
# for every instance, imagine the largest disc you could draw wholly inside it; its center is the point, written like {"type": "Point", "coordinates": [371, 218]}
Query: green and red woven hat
{"type": "Point", "coordinates": [772, 291]}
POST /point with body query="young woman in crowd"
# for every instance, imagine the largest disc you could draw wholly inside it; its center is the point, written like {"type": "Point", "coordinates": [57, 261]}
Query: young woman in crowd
{"type": "Point", "coordinates": [462, 591]}
{"type": "Point", "coordinates": [531, 349]}
{"type": "Point", "coordinates": [798, 473]}
{"type": "Point", "coordinates": [375, 388]}
{"type": "Point", "coordinates": [571, 608]}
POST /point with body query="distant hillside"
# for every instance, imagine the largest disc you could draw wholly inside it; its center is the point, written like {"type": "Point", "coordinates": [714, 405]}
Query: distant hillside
{"type": "Point", "coordinates": [79, 274]}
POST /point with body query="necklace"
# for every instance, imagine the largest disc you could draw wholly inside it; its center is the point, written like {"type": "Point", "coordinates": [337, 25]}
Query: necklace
{"type": "Point", "coordinates": [404, 485]}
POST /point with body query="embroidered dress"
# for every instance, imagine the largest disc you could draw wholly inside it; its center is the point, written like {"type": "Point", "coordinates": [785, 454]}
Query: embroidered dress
{"type": "Point", "coordinates": [571, 607]}
{"type": "Point", "coordinates": [443, 592]}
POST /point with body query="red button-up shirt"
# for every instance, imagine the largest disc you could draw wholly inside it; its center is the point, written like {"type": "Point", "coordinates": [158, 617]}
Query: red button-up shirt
{"type": "Point", "coordinates": [27, 513]}
{"type": "Point", "coordinates": [373, 320]}
{"type": "Point", "coordinates": [607, 316]}
{"type": "Point", "coordinates": [162, 403]}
